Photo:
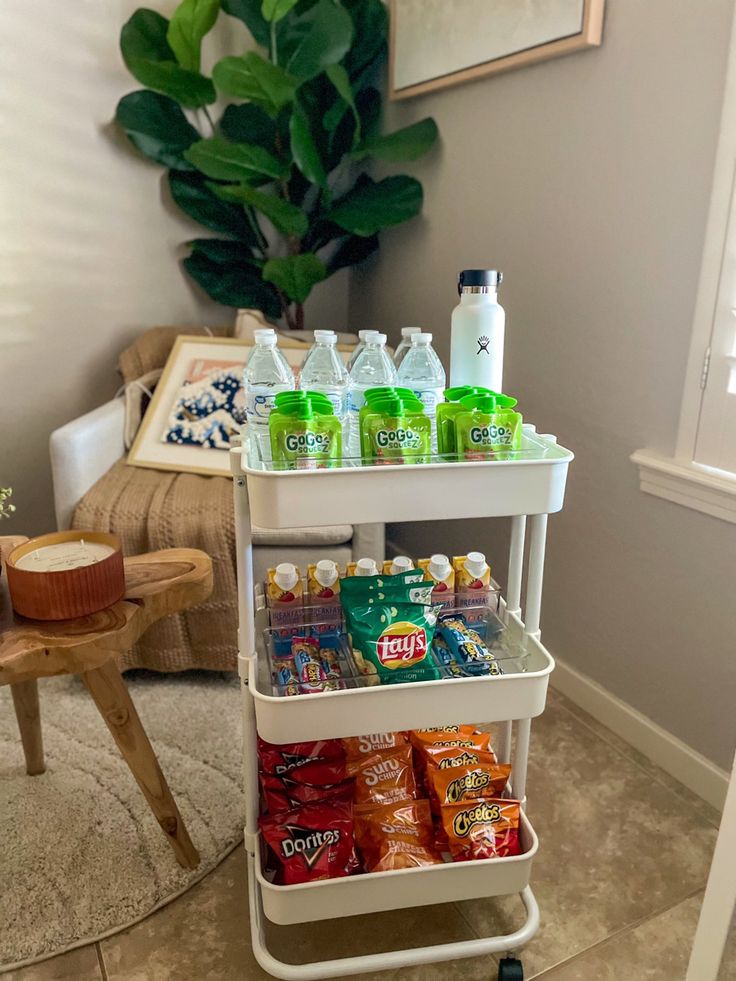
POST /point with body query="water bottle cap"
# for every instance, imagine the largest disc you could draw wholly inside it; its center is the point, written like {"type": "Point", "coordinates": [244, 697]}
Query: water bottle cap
{"type": "Point", "coordinates": [421, 339]}
{"type": "Point", "coordinates": [377, 338]}
{"type": "Point", "coordinates": [401, 563]}
{"type": "Point", "coordinates": [408, 331]}
{"type": "Point", "coordinates": [366, 567]}
{"type": "Point", "coordinates": [324, 333]}
{"type": "Point", "coordinates": [365, 334]}
{"type": "Point", "coordinates": [479, 280]}
{"type": "Point", "coordinates": [475, 563]}
{"type": "Point", "coordinates": [264, 330]}
{"type": "Point", "coordinates": [266, 339]}
{"type": "Point", "coordinates": [328, 337]}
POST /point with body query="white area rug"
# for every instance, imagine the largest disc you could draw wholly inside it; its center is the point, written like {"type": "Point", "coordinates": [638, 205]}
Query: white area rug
{"type": "Point", "coordinates": [81, 855]}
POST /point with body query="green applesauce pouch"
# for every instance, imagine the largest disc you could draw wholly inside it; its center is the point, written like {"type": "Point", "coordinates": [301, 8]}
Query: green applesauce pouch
{"type": "Point", "coordinates": [305, 435]}
{"type": "Point", "coordinates": [446, 412]}
{"type": "Point", "coordinates": [487, 428]}
{"type": "Point", "coordinates": [397, 431]}
{"type": "Point", "coordinates": [394, 641]}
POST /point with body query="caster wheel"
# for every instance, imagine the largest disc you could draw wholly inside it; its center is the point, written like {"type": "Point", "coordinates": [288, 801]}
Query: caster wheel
{"type": "Point", "coordinates": [510, 969]}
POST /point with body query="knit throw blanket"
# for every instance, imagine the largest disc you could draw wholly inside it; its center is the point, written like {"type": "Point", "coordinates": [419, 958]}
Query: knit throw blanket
{"type": "Point", "coordinates": [152, 509]}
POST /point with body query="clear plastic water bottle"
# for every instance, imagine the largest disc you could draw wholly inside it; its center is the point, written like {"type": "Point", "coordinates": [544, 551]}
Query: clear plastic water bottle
{"type": "Point", "coordinates": [323, 371]}
{"type": "Point", "coordinates": [372, 368]}
{"type": "Point", "coordinates": [362, 336]}
{"type": "Point", "coordinates": [422, 372]}
{"type": "Point", "coordinates": [266, 374]}
{"type": "Point", "coordinates": [404, 344]}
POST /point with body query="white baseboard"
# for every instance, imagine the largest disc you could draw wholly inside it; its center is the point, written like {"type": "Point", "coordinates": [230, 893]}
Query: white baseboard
{"type": "Point", "coordinates": [670, 753]}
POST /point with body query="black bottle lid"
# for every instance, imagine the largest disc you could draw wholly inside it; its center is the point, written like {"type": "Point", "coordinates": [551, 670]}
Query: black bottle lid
{"type": "Point", "coordinates": [484, 278]}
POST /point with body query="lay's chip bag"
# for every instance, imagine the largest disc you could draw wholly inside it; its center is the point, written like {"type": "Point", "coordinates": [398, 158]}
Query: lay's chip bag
{"type": "Point", "coordinates": [393, 640]}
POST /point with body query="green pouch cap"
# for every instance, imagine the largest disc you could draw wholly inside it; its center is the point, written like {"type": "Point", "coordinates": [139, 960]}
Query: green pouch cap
{"type": "Point", "coordinates": [460, 391]}
{"type": "Point", "coordinates": [377, 393]}
{"type": "Point", "coordinates": [487, 403]}
{"type": "Point", "coordinates": [394, 641]}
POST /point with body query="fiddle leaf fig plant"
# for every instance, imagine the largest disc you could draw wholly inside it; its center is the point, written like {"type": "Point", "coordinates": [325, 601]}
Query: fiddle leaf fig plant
{"type": "Point", "coordinates": [266, 152]}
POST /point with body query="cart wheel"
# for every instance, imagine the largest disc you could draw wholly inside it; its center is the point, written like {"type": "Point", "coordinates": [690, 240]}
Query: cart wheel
{"type": "Point", "coordinates": [510, 969]}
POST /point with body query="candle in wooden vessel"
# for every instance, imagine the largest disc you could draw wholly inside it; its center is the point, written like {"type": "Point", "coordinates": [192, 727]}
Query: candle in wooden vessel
{"type": "Point", "coordinates": [66, 574]}
{"type": "Point", "coordinates": [64, 555]}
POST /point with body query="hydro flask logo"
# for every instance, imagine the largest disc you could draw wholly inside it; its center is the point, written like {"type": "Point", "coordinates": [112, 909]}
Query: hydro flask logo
{"type": "Point", "coordinates": [483, 343]}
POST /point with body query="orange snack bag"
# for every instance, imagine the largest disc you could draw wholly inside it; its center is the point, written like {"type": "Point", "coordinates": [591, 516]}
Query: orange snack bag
{"type": "Point", "coordinates": [463, 783]}
{"type": "Point", "coordinates": [482, 829]}
{"type": "Point", "coordinates": [447, 757]}
{"type": "Point", "coordinates": [357, 747]}
{"type": "Point", "coordinates": [396, 836]}
{"type": "Point", "coordinates": [384, 777]}
{"type": "Point", "coordinates": [442, 738]}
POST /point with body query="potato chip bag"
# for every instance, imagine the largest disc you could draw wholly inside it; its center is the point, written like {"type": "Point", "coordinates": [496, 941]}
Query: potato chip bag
{"type": "Point", "coordinates": [482, 828]}
{"type": "Point", "coordinates": [394, 640]}
{"type": "Point", "coordinates": [280, 758]}
{"type": "Point", "coordinates": [461, 783]}
{"type": "Point", "coordinates": [357, 747]}
{"type": "Point", "coordinates": [396, 836]}
{"type": "Point", "coordinates": [311, 842]}
{"type": "Point", "coordinates": [384, 777]}
{"type": "Point", "coordinates": [280, 794]}
{"type": "Point", "coordinates": [446, 757]}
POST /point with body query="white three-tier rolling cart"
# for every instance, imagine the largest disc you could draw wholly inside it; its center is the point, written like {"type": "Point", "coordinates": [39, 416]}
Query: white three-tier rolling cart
{"type": "Point", "coordinates": [526, 488]}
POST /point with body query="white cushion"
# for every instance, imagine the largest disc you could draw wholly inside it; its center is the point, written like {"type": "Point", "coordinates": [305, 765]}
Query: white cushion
{"type": "Point", "coordinates": [331, 535]}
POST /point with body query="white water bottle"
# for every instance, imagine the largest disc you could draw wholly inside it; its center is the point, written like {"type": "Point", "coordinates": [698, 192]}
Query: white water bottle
{"type": "Point", "coordinates": [373, 369]}
{"type": "Point", "coordinates": [404, 344]}
{"type": "Point", "coordinates": [477, 332]}
{"type": "Point", "coordinates": [363, 335]}
{"type": "Point", "coordinates": [266, 374]}
{"type": "Point", "coordinates": [323, 371]}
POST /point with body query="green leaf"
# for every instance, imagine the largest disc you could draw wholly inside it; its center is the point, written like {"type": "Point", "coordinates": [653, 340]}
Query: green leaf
{"type": "Point", "coordinates": [226, 161]}
{"type": "Point", "coordinates": [191, 193]}
{"type": "Point", "coordinates": [295, 275]}
{"type": "Point", "coordinates": [370, 206]}
{"type": "Point", "coordinates": [304, 149]}
{"type": "Point", "coordinates": [320, 37]}
{"type": "Point", "coordinates": [224, 250]}
{"type": "Point", "coordinates": [252, 77]}
{"type": "Point", "coordinates": [149, 58]}
{"type": "Point", "coordinates": [235, 284]}
{"type": "Point", "coordinates": [408, 143]}
{"type": "Point", "coordinates": [370, 28]}
{"type": "Point", "coordinates": [351, 251]}
{"type": "Point", "coordinates": [249, 11]}
{"type": "Point", "coordinates": [286, 217]}
{"type": "Point", "coordinates": [248, 123]}
{"type": "Point", "coordinates": [274, 10]}
{"type": "Point", "coordinates": [157, 127]}
{"type": "Point", "coordinates": [341, 80]}
{"type": "Point", "coordinates": [189, 23]}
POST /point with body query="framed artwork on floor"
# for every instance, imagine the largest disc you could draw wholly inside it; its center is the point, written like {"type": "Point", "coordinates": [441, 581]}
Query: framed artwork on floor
{"type": "Point", "coordinates": [437, 43]}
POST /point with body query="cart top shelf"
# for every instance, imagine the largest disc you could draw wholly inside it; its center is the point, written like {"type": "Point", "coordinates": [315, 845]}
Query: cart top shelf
{"type": "Point", "coordinates": [531, 481]}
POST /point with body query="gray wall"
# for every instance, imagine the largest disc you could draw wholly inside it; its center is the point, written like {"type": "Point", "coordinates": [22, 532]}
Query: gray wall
{"type": "Point", "coordinates": [586, 179]}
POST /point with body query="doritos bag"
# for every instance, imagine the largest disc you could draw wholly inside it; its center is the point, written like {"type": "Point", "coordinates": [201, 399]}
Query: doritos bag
{"type": "Point", "coordinates": [282, 794]}
{"type": "Point", "coordinates": [358, 746]}
{"type": "Point", "coordinates": [384, 777]}
{"type": "Point", "coordinates": [282, 758]}
{"type": "Point", "coordinates": [396, 836]}
{"type": "Point", "coordinates": [482, 829]}
{"type": "Point", "coordinates": [311, 842]}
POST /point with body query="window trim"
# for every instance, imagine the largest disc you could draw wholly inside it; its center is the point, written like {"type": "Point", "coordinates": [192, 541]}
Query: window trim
{"type": "Point", "coordinates": [678, 478]}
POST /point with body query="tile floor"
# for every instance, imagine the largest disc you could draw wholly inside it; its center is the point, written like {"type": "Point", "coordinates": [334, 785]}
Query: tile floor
{"type": "Point", "coordinates": [624, 856]}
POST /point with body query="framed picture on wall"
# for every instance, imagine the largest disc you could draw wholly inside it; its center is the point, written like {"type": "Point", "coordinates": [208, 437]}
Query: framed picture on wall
{"type": "Point", "coordinates": [437, 43]}
{"type": "Point", "coordinates": [198, 405]}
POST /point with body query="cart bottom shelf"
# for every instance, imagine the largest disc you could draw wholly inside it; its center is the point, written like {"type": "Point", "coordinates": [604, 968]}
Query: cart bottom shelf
{"type": "Point", "coordinates": [376, 891]}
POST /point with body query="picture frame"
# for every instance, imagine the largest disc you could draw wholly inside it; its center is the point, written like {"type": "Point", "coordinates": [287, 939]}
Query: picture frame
{"type": "Point", "coordinates": [166, 439]}
{"type": "Point", "coordinates": [434, 44]}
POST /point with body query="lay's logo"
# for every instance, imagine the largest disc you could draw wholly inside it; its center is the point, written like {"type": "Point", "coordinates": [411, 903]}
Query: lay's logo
{"type": "Point", "coordinates": [401, 645]}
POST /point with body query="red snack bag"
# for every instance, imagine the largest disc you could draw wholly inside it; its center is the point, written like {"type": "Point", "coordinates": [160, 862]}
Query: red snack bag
{"type": "Point", "coordinates": [358, 746]}
{"type": "Point", "coordinates": [311, 842]}
{"type": "Point", "coordinates": [461, 783]}
{"type": "Point", "coordinates": [282, 758]}
{"type": "Point", "coordinates": [319, 773]}
{"type": "Point", "coordinates": [396, 836]}
{"type": "Point", "coordinates": [281, 794]}
{"type": "Point", "coordinates": [384, 777]}
{"type": "Point", "coordinates": [482, 829]}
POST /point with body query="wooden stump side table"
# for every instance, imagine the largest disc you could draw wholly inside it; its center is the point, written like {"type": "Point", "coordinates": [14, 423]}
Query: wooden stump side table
{"type": "Point", "coordinates": [157, 584]}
